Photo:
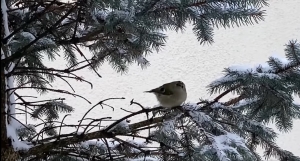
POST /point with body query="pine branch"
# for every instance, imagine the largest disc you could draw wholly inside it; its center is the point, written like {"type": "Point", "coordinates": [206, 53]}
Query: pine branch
{"type": "Point", "coordinates": [243, 96]}
{"type": "Point", "coordinates": [287, 68]}
{"type": "Point", "coordinates": [196, 4]}
{"type": "Point", "coordinates": [34, 18]}
{"type": "Point", "coordinates": [21, 52]}
{"type": "Point", "coordinates": [69, 70]}
{"type": "Point", "coordinates": [75, 77]}
{"type": "Point", "coordinates": [50, 89]}
{"type": "Point", "coordinates": [234, 100]}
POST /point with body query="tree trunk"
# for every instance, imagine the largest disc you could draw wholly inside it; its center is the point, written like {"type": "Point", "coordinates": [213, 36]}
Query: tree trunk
{"type": "Point", "coordinates": [7, 151]}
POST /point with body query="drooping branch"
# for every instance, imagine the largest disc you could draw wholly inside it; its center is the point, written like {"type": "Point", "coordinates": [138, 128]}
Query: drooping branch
{"type": "Point", "coordinates": [53, 90]}
{"type": "Point", "coordinates": [68, 70]}
{"type": "Point", "coordinates": [62, 77]}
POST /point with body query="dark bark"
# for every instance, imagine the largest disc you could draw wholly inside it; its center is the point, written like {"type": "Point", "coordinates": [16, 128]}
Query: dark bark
{"type": "Point", "coordinates": [7, 151]}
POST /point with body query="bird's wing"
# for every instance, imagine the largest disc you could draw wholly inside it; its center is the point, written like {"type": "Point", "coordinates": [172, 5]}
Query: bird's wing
{"type": "Point", "coordinates": [158, 90]}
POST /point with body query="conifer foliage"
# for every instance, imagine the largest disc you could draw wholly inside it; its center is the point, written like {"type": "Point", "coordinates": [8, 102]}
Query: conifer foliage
{"type": "Point", "coordinates": [121, 33]}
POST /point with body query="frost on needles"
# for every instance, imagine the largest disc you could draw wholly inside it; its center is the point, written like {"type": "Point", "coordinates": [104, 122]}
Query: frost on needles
{"type": "Point", "coordinates": [267, 90]}
{"type": "Point", "coordinates": [122, 33]}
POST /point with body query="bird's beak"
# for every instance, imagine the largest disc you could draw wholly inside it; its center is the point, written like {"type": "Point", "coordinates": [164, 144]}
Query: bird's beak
{"type": "Point", "coordinates": [156, 90]}
{"type": "Point", "coordinates": [180, 85]}
{"type": "Point", "coordinates": [151, 91]}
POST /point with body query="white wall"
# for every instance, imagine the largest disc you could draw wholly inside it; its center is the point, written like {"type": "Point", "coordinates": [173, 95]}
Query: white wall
{"type": "Point", "coordinates": [184, 59]}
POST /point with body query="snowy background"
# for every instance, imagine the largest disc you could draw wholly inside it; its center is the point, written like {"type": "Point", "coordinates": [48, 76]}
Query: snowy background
{"type": "Point", "coordinates": [196, 65]}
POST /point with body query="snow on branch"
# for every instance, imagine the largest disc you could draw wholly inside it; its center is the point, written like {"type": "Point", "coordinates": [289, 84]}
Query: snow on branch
{"type": "Point", "coordinates": [271, 70]}
{"type": "Point", "coordinates": [167, 130]}
{"type": "Point", "coordinates": [124, 33]}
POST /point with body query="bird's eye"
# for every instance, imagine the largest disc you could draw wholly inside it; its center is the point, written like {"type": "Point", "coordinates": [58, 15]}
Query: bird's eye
{"type": "Point", "coordinates": [162, 90]}
{"type": "Point", "coordinates": [180, 84]}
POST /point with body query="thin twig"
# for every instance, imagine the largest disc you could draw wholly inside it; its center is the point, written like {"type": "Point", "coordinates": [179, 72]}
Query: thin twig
{"type": "Point", "coordinates": [27, 103]}
{"type": "Point", "coordinates": [62, 123]}
{"type": "Point", "coordinates": [126, 110]}
{"type": "Point", "coordinates": [20, 123]}
{"type": "Point", "coordinates": [130, 115]}
{"type": "Point", "coordinates": [108, 148]}
{"type": "Point", "coordinates": [95, 121]}
{"type": "Point", "coordinates": [129, 144]}
{"type": "Point", "coordinates": [80, 52]}
{"type": "Point", "coordinates": [99, 103]}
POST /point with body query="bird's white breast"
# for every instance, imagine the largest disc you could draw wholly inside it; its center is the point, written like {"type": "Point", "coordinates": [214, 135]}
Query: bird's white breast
{"type": "Point", "coordinates": [169, 101]}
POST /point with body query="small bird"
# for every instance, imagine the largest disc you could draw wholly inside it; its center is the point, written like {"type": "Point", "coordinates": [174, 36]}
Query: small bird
{"type": "Point", "coordinates": [170, 94]}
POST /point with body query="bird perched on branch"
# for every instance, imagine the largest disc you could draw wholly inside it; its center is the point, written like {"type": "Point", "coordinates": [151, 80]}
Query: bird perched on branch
{"type": "Point", "coordinates": [170, 94]}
